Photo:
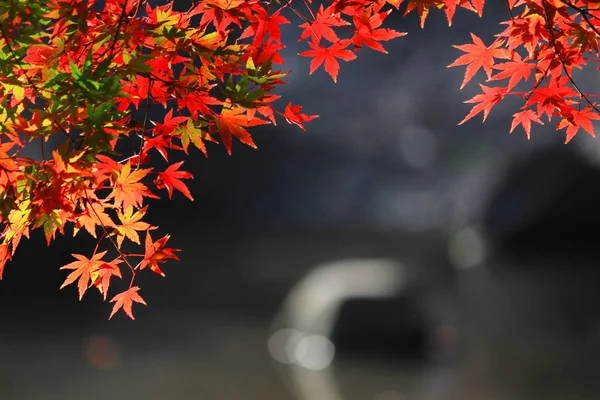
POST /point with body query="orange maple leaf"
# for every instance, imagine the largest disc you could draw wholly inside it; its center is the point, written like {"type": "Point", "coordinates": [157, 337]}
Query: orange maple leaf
{"type": "Point", "coordinates": [156, 252]}
{"type": "Point", "coordinates": [125, 300]}
{"type": "Point", "coordinates": [225, 4]}
{"type": "Point", "coordinates": [93, 215]}
{"type": "Point", "coordinates": [232, 122]}
{"type": "Point", "coordinates": [130, 224]}
{"type": "Point", "coordinates": [83, 269]}
{"type": "Point", "coordinates": [127, 189]}
{"type": "Point", "coordinates": [101, 278]}
{"type": "Point", "coordinates": [4, 257]}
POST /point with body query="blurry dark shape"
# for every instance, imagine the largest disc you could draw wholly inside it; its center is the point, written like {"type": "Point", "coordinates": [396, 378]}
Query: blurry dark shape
{"type": "Point", "coordinates": [355, 316]}
{"type": "Point", "coordinates": [101, 352]}
{"type": "Point", "coordinates": [391, 327]}
{"type": "Point", "coordinates": [312, 305]}
{"type": "Point", "coordinates": [466, 248]}
{"type": "Point", "coordinates": [547, 205]}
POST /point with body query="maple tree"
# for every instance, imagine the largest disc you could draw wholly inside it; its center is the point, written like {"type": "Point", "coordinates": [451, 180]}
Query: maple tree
{"type": "Point", "coordinates": [75, 74]}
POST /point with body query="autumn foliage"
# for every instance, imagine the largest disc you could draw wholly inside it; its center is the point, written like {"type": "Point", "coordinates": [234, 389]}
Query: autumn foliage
{"type": "Point", "coordinates": [78, 78]}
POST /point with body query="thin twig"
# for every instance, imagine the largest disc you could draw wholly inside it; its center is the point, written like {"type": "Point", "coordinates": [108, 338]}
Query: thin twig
{"type": "Point", "coordinates": [542, 78]}
{"type": "Point", "coordinates": [112, 241]}
{"type": "Point", "coordinates": [583, 13]}
{"type": "Point", "coordinates": [295, 10]}
{"type": "Point", "coordinates": [116, 37]}
{"type": "Point", "coordinates": [145, 123]}
{"type": "Point", "coordinates": [512, 17]}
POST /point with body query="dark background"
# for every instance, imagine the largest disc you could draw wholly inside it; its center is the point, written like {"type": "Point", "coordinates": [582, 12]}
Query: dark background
{"type": "Point", "coordinates": [384, 172]}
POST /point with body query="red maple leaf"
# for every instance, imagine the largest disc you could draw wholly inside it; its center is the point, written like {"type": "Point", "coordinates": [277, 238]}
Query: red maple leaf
{"type": "Point", "coordinates": [321, 27]}
{"type": "Point", "coordinates": [264, 25]}
{"type": "Point", "coordinates": [479, 56]}
{"type": "Point", "coordinates": [293, 116]}
{"type": "Point", "coordinates": [368, 34]}
{"type": "Point", "coordinates": [489, 98]}
{"type": "Point", "coordinates": [169, 124]}
{"type": "Point", "coordinates": [156, 252]}
{"type": "Point", "coordinates": [218, 12]}
{"type": "Point", "coordinates": [516, 70]}
{"type": "Point", "coordinates": [328, 56]}
{"type": "Point", "coordinates": [478, 5]}
{"type": "Point", "coordinates": [125, 300]}
{"type": "Point", "coordinates": [524, 118]}
{"type": "Point", "coordinates": [160, 143]}
{"type": "Point", "coordinates": [552, 96]}
{"type": "Point", "coordinates": [579, 119]}
{"type": "Point", "coordinates": [171, 178]}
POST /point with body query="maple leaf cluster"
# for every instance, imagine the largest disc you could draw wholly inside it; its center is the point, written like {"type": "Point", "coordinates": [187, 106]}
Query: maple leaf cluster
{"type": "Point", "coordinates": [78, 72]}
{"type": "Point", "coordinates": [546, 40]}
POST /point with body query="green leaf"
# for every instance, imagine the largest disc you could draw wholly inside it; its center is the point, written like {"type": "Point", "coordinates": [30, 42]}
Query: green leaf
{"type": "Point", "coordinates": [255, 95]}
{"type": "Point", "coordinates": [75, 72]}
{"type": "Point", "coordinates": [191, 133]}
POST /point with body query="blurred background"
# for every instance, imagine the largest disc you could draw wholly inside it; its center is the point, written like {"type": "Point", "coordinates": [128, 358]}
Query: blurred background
{"type": "Point", "coordinates": [384, 254]}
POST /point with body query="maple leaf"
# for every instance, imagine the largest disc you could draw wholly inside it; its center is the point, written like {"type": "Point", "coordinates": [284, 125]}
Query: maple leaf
{"type": "Point", "coordinates": [450, 9]}
{"type": "Point", "coordinates": [232, 121]}
{"type": "Point", "coordinates": [293, 116]}
{"type": "Point", "coordinates": [101, 278]}
{"type": "Point", "coordinates": [190, 133]}
{"type": "Point", "coordinates": [516, 70]}
{"type": "Point", "coordinates": [156, 252]}
{"type": "Point", "coordinates": [524, 118]}
{"type": "Point", "coordinates": [489, 98]}
{"type": "Point", "coordinates": [479, 56]}
{"type": "Point", "coordinates": [578, 119]}
{"type": "Point", "coordinates": [171, 178]}
{"type": "Point", "coordinates": [125, 300]}
{"type": "Point", "coordinates": [127, 189]}
{"type": "Point", "coordinates": [328, 56]}
{"type": "Point", "coordinates": [367, 32]}
{"type": "Point", "coordinates": [321, 27]}
{"type": "Point", "coordinates": [93, 215]}
{"type": "Point", "coordinates": [552, 96]}
{"type": "Point", "coordinates": [169, 124]}
{"type": "Point", "coordinates": [198, 102]}
{"type": "Point", "coordinates": [585, 38]}
{"type": "Point", "coordinates": [265, 25]}
{"type": "Point", "coordinates": [226, 4]}
{"type": "Point", "coordinates": [83, 269]}
{"type": "Point", "coordinates": [422, 7]}
{"type": "Point", "coordinates": [219, 15]}
{"type": "Point", "coordinates": [130, 224]}
{"type": "Point", "coordinates": [160, 143]}
{"type": "Point", "coordinates": [4, 257]}
{"type": "Point", "coordinates": [478, 5]}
